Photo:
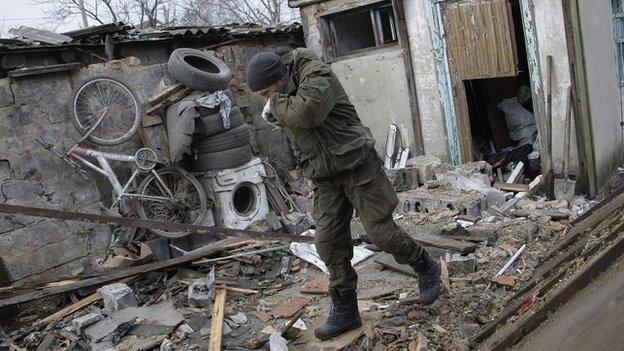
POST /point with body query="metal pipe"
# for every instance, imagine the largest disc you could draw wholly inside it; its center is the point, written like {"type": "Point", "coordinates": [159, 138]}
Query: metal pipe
{"type": "Point", "coordinates": [511, 261]}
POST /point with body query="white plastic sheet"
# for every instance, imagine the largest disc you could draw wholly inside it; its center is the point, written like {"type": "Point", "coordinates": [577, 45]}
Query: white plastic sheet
{"type": "Point", "coordinates": [307, 252]}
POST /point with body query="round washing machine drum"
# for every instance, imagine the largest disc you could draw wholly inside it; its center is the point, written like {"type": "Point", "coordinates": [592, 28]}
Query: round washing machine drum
{"type": "Point", "coordinates": [245, 199]}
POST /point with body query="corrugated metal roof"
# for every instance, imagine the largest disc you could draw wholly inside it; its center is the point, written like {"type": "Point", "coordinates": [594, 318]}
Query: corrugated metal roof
{"type": "Point", "coordinates": [122, 33]}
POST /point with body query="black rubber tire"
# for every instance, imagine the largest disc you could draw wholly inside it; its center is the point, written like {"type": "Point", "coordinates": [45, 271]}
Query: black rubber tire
{"type": "Point", "coordinates": [199, 70]}
{"type": "Point", "coordinates": [231, 138]}
{"type": "Point", "coordinates": [213, 124]}
{"type": "Point", "coordinates": [223, 159]}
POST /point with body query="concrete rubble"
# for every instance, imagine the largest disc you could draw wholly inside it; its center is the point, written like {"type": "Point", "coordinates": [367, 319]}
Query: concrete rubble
{"type": "Point", "coordinates": [117, 297]}
{"type": "Point", "coordinates": [268, 285]}
{"type": "Point", "coordinates": [247, 294]}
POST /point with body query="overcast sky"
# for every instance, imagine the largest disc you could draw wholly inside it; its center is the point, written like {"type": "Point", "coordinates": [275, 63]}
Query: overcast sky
{"type": "Point", "coordinates": [14, 13]}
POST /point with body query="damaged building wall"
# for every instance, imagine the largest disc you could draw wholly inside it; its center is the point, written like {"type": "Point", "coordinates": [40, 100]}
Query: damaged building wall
{"type": "Point", "coordinates": [431, 113]}
{"type": "Point", "coordinates": [375, 81]}
{"type": "Point", "coordinates": [33, 248]}
{"type": "Point", "coordinates": [377, 87]}
{"type": "Point", "coordinates": [604, 94]}
{"type": "Point", "coordinates": [551, 40]}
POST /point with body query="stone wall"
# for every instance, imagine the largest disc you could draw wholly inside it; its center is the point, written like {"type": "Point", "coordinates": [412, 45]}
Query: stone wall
{"type": "Point", "coordinates": [35, 248]}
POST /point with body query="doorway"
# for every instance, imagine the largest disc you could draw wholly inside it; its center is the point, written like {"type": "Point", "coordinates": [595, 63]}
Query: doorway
{"type": "Point", "coordinates": [491, 85]}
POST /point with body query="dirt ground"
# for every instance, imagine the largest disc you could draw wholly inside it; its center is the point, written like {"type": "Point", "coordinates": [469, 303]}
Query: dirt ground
{"type": "Point", "coordinates": [591, 320]}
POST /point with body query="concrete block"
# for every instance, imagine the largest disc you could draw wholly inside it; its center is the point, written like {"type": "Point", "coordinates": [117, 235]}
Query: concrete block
{"type": "Point", "coordinates": [201, 291]}
{"type": "Point", "coordinates": [82, 322]}
{"type": "Point", "coordinates": [116, 297]}
{"type": "Point", "coordinates": [405, 178]}
{"type": "Point", "coordinates": [479, 170]}
{"type": "Point", "coordinates": [458, 264]}
{"type": "Point", "coordinates": [441, 199]}
{"type": "Point", "coordinates": [424, 166]}
{"type": "Point", "coordinates": [200, 295]}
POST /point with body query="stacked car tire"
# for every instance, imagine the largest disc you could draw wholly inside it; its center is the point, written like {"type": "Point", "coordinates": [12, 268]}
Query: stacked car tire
{"type": "Point", "coordinates": [214, 146]}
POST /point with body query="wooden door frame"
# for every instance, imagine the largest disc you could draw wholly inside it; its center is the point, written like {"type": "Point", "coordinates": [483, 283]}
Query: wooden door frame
{"type": "Point", "coordinates": [461, 152]}
{"type": "Point", "coordinates": [582, 118]}
{"type": "Point", "coordinates": [399, 19]}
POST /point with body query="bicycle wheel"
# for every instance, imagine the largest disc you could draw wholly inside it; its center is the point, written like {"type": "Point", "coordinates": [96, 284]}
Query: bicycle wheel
{"type": "Point", "coordinates": [95, 97]}
{"type": "Point", "coordinates": [188, 206]}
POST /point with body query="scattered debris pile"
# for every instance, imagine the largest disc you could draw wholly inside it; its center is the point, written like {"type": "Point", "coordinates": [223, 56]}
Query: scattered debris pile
{"type": "Point", "coordinates": [246, 294]}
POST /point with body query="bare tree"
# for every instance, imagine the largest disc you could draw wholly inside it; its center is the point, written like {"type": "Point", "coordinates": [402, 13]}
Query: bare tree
{"type": "Point", "coordinates": [218, 12]}
{"type": "Point", "coordinates": [151, 13]}
{"type": "Point", "coordinates": [142, 13]}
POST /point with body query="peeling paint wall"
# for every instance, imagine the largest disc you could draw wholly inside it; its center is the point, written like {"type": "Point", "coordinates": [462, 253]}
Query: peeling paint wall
{"type": "Point", "coordinates": [430, 107]}
{"type": "Point", "coordinates": [602, 85]}
{"type": "Point", "coordinates": [551, 40]}
{"type": "Point", "coordinates": [376, 82]}
{"type": "Point", "coordinates": [377, 87]}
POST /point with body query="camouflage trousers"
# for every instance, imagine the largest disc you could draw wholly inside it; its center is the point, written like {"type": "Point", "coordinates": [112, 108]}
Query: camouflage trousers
{"type": "Point", "coordinates": [368, 191]}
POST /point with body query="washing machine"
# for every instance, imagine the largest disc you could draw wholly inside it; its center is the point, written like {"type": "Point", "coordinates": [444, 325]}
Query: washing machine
{"type": "Point", "coordinates": [239, 194]}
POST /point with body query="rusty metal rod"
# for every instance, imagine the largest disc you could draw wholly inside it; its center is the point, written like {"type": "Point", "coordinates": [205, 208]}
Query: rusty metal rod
{"type": "Point", "coordinates": [148, 224]}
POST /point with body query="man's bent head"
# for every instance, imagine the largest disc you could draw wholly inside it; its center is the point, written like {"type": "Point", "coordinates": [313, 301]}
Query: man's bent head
{"type": "Point", "coordinates": [267, 74]}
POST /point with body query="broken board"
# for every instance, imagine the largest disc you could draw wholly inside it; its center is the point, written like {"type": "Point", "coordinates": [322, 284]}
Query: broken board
{"type": "Point", "coordinates": [445, 243]}
{"type": "Point", "coordinates": [309, 342]}
{"type": "Point", "coordinates": [388, 261]}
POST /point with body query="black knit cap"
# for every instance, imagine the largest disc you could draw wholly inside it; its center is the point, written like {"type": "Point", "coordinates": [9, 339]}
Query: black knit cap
{"type": "Point", "coordinates": [264, 69]}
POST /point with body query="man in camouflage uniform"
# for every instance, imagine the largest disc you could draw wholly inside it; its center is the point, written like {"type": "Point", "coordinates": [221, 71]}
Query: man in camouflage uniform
{"type": "Point", "coordinates": [335, 151]}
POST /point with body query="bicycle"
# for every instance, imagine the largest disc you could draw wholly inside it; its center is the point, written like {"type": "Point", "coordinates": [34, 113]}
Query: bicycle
{"type": "Point", "coordinates": [168, 194]}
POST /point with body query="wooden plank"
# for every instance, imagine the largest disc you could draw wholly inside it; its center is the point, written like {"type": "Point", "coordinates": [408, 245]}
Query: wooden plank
{"type": "Point", "coordinates": [444, 242]}
{"type": "Point", "coordinates": [491, 36]}
{"type": "Point", "coordinates": [560, 262]}
{"type": "Point", "coordinates": [38, 70]}
{"type": "Point", "coordinates": [512, 187]}
{"type": "Point", "coordinates": [388, 261]}
{"type": "Point", "coordinates": [116, 274]}
{"type": "Point", "coordinates": [516, 174]}
{"type": "Point", "coordinates": [169, 100]}
{"type": "Point", "coordinates": [216, 326]}
{"type": "Point", "coordinates": [484, 56]}
{"type": "Point", "coordinates": [170, 90]}
{"type": "Point", "coordinates": [277, 197]}
{"type": "Point", "coordinates": [150, 120]}
{"type": "Point", "coordinates": [240, 290]}
{"type": "Point", "coordinates": [318, 286]}
{"type": "Point", "coordinates": [148, 224]}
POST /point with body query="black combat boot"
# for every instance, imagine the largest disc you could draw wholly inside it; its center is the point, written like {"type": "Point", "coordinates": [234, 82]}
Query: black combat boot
{"type": "Point", "coordinates": [428, 271]}
{"type": "Point", "coordinates": [343, 317]}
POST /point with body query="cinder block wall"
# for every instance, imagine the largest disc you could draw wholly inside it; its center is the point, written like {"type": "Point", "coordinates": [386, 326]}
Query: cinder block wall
{"type": "Point", "coordinates": [36, 248]}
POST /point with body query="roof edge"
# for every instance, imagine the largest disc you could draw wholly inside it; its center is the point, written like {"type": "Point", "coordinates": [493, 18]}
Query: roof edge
{"type": "Point", "coordinates": [301, 3]}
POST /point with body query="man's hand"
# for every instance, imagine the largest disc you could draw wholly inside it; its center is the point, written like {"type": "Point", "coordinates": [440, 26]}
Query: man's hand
{"type": "Point", "coordinates": [267, 109]}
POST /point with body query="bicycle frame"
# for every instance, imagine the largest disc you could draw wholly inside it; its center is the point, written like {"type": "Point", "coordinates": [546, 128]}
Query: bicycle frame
{"type": "Point", "coordinates": [79, 153]}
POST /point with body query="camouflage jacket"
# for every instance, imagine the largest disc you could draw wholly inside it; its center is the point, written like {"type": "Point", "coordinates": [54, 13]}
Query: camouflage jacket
{"type": "Point", "coordinates": [316, 114]}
